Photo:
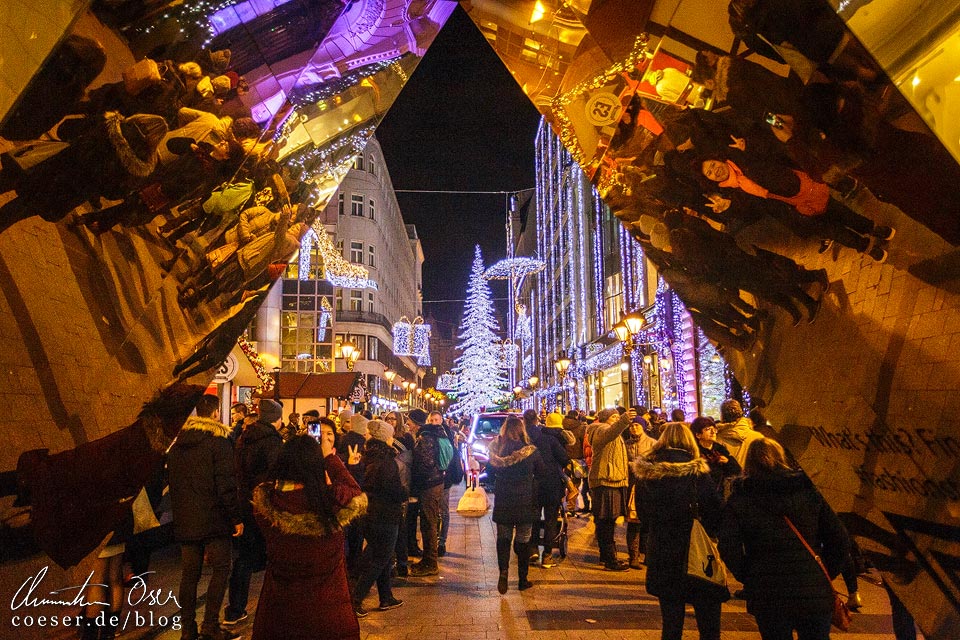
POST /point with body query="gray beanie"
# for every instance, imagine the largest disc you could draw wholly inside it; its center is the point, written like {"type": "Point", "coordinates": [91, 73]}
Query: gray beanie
{"type": "Point", "coordinates": [380, 430]}
{"type": "Point", "coordinates": [270, 411]}
{"type": "Point", "coordinates": [358, 424]}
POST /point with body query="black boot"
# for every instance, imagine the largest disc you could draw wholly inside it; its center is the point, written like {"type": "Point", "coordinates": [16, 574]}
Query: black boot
{"type": "Point", "coordinates": [503, 563]}
{"type": "Point", "coordinates": [523, 565]}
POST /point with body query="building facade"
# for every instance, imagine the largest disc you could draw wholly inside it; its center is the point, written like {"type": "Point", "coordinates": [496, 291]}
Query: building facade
{"type": "Point", "coordinates": [311, 313]}
{"type": "Point", "coordinates": [595, 275]}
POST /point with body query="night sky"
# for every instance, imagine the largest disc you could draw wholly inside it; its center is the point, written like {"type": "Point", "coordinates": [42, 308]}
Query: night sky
{"type": "Point", "coordinates": [461, 123]}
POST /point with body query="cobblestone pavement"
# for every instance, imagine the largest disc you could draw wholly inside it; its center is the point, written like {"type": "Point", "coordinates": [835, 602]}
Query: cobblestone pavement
{"type": "Point", "coordinates": [574, 600]}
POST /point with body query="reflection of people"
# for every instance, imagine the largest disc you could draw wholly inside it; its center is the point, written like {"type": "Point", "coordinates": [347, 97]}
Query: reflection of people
{"type": "Point", "coordinates": [670, 83]}
{"type": "Point", "coordinates": [301, 509]}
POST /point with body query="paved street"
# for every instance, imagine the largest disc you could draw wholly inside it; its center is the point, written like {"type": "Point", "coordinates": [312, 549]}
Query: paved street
{"type": "Point", "coordinates": [575, 600]}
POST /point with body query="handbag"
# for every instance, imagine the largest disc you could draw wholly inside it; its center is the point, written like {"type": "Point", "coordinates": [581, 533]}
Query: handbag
{"type": "Point", "coordinates": [841, 614]}
{"type": "Point", "coordinates": [473, 503]}
{"type": "Point", "coordinates": [703, 558]}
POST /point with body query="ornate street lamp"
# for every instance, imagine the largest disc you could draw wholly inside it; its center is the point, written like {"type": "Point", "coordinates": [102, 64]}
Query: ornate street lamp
{"type": "Point", "coordinates": [630, 326]}
{"type": "Point", "coordinates": [350, 353]}
{"type": "Point", "coordinates": [562, 365]}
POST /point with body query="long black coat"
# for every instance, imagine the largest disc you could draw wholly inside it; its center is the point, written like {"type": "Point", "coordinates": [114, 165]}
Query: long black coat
{"type": "Point", "coordinates": [517, 469]}
{"type": "Point", "coordinates": [550, 488]}
{"type": "Point", "coordinates": [203, 482]}
{"type": "Point", "coordinates": [666, 487]}
{"type": "Point", "coordinates": [381, 482]}
{"type": "Point", "coordinates": [777, 572]}
{"type": "Point", "coordinates": [257, 449]}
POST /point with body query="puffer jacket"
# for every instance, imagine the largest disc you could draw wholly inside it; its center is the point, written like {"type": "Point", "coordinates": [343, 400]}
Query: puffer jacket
{"type": "Point", "coordinates": [777, 572]}
{"type": "Point", "coordinates": [203, 482]}
{"type": "Point", "coordinates": [517, 470]}
{"type": "Point", "coordinates": [608, 468]}
{"type": "Point", "coordinates": [381, 482]}
{"type": "Point", "coordinates": [667, 485]}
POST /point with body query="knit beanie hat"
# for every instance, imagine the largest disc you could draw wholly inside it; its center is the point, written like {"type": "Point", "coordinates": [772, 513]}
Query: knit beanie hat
{"type": "Point", "coordinates": [554, 419]}
{"type": "Point", "coordinates": [221, 85]}
{"type": "Point", "coordinates": [358, 424]}
{"type": "Point", "coordinates": [270, 410]}
{"type": "Point", "coordinates": [380, 430]}
{"type": "Point", "coordinates": [344, 419]}
{"type": "Point", "coordinates": [419, 416]}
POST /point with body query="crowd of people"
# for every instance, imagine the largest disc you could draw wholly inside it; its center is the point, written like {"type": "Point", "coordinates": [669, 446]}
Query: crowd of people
{"type": "Point", "coordinates": [330, 506]}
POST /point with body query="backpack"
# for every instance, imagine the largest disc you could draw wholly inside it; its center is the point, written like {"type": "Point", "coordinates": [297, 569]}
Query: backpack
{"type": "Point", "coordinates": [454, 471]}
{"type": "Point", "coordinates": [444, 452]}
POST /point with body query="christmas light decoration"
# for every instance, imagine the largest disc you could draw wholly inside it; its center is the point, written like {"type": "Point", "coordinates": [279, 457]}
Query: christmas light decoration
{"type": "Point", "coordinates": [508, 354]}
{"type": "Point", "coordinates": [326, 313]}
{"type": "Point", "coordinates": [337, 270]}
{"type": "Point", "coordinates": [510, 268]}
{"type": "Point", "coordinates": [447, 381]}
{"type": "Point", "coordinates": [411, 338]}
{"type": "Point", "coordinates": [480, 380]}
{"type": "Point", "coordinates": [265, 377]}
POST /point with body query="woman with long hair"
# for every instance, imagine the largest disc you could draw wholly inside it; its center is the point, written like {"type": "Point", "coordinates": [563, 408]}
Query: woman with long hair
{"type": "Point", "coordinates": [785, 588]}
{"type": "Point", "coordinates": [674, 487]}
{"type": "Point", "coordinates": [308, 498]}
{"type": "Point", "coordinates": [517, 469]}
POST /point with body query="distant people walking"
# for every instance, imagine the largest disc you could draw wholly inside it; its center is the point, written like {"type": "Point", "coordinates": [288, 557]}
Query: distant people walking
{"type": "Point", "coordinates": [206, 513]}
{"type": "Point", "coordinates": [517, 469]}
{"type": "Point", "coordinates": [784, 587]}
{"type": "Point", "coordinates": [302, 508]}
{"type": "Point", "coordinates": [674, 486]}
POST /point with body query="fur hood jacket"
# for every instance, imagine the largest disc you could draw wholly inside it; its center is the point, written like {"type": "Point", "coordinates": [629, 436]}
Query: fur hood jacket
{"type": "Point", "coordinates": [302, 523]}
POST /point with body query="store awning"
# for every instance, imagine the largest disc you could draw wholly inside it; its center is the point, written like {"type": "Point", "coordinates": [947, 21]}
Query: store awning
{"type": "Point", "coordinates": [315, 385]}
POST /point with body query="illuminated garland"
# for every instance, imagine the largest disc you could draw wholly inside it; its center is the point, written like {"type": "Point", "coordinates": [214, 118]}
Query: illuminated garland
{"type": "Point", "coordinates": [326, 313]}
{"type": "Point", "coordinates": [265, 377]}
{"type": "Point", "coordinates": [303, 95]}
{"type": "Point", "coordinates": [447, 381]}
{"type": "Point", "coordinates": [510, 268]}
{"type": "Point", "coordinates": [338, 271]}
{"type": "Point", "coordinates": [411, 338]}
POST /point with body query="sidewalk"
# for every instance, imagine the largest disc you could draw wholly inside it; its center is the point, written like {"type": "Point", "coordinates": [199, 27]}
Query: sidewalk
{"type": "Point", "coordinates": [575, 600]}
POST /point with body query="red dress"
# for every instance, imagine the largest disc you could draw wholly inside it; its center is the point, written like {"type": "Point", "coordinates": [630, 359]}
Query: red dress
{"type": "Point", "coordinates": [305, 593]}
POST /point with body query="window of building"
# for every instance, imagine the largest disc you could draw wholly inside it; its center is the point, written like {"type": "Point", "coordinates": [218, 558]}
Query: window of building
{"type": "Point", "coordinates": [370, 302]}
{"type": "Point", "coordinates": [356, 252]}
{"type": "Point", "coordinates": [338, 296]}
{"type": "Point", "coordinates": [356, 205]}
{"type": "Point", "coordinates": [372, 165]}
{"type": "Point", "coordinates": [373, 207]}
{"type": "Point", "coordinates": [371, 260]}
{"type": "Point", "coordinates": [358, 163]}
{"type": "Point", "coordinates": [340, 204]}
{"type": "Point", "coordinates": [613, 300]}
{"type": "Point", "coordinates": [373, 348]}
{"type": "Point", "coordinates": [356, 300]}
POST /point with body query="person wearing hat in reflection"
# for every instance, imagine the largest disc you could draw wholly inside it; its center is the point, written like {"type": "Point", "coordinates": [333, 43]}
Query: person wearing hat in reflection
{"type": "Point", "coordinates": [107, 155]}
{"type": "Point", "coordinates": [256, 451]}
{"type": "Point", "coordinates": [386, 497]}
{"type": "Point", "coordinates": [350, 444]}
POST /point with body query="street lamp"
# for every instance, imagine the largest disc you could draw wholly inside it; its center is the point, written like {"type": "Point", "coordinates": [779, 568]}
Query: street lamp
{"type": "Point", "coordinates": [350, 353]}
{"type": "Point", "coordinates": [562, 365]}
{"type": "Point", "coordinates": [631, 325]}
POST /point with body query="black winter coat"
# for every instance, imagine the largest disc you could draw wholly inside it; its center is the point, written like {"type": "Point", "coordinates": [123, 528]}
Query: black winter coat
{"type": "Point", "coordinates": [667, 485]}
{"type": "Point", "coordinates": [203, 482]}
{"type": "Point", "coordinates": [718, 470]}
{"type": "Point", "coordinates": [550, 488]}
{"type": "Point", "coordinates": [257, 449]}
{"type": "Point", "coordinates": [517, 469]}
{"type": "Point", "coordinates": [577, 428]}
{"type": "Point", "coordinates": [426, 471]}
{"type": "Point", "coordinates": [381, 482]}
{"type": "Point", "coordinates": [347, 440]}
{"type": "Point", "coordinates": [777, 572]}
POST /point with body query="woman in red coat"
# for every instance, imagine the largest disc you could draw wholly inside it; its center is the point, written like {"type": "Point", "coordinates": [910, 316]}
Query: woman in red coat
{"type": "Point", "coordinates": [301, 512]}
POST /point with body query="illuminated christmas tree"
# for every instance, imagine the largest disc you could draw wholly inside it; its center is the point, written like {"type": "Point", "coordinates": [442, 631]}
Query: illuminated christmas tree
{"type": "Point", "coordinates": [480, 377]}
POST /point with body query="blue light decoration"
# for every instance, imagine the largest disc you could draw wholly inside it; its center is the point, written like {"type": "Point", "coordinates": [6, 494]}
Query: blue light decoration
{"type": "Point", "coordinates": [446, 382]}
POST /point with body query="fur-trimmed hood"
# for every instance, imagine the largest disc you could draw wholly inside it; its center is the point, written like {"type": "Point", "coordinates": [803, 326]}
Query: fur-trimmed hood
{"type": "Point", "coordinates": [658, 469]}
{"type": "Point", "coordinates": [196, 429]}
{"type": "Point", "coordinates": [147, 127]}
{"type": "Point", "coordinates": [304, 523]}
{"type": "Point", "coordinates": [515, 457]}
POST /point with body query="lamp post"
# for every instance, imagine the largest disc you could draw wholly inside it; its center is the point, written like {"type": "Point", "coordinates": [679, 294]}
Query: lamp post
{"type": "Point", "coordinates": [389, 376]}
{"type": "Point", "coordinates": [631, 325]}
{"type": "Point", "coordinates": [562, 365]}
{"type": "Point", "coordinates": [350, 353]}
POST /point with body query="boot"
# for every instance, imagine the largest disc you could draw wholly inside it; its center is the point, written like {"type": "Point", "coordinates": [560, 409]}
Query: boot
{"type": "Point", "coordinates": [503, 563]}
{"type": "Point", "coordinates": [523, 565]}
{"type": "Point", "coordinates": [111, 623]}
{"type": "Point", "coordinates": [633, 549]}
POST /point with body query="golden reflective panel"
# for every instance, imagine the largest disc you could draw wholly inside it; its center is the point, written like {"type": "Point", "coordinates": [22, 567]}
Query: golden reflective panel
{"type": "Point", "coordinates": [803, 207]}
{"type": "Point", "coordinates": [157, 176]}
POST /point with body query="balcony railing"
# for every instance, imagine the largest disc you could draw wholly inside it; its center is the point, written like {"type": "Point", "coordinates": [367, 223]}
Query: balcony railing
{"type": "Point", "coordinates": [370, 317]}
